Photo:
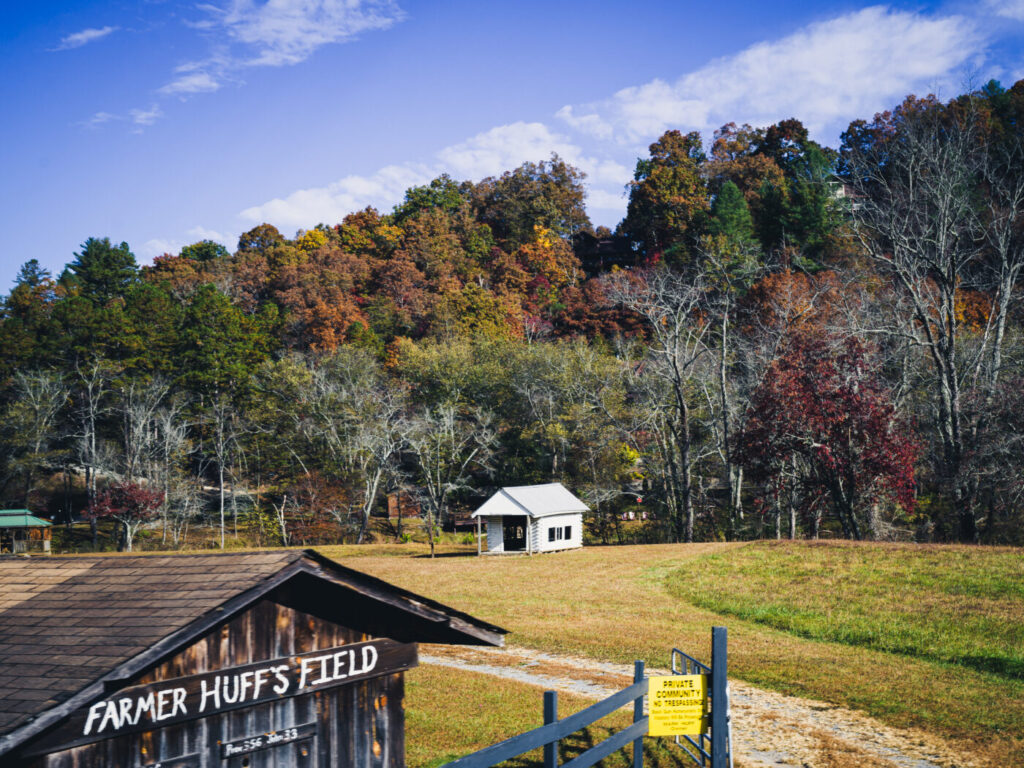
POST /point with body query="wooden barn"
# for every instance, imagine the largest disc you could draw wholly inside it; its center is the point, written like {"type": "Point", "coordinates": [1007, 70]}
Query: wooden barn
{"type": "Point", "coordinates": [249, 660]}
{"type": "Point", "coordinates": [531, 518]}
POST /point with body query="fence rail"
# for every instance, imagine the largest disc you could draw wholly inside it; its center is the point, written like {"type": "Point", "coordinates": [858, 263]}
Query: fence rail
{"type": "Point", "coordinates": [714, 750]}
{"type": "Point", "coordinates": [550, 734]}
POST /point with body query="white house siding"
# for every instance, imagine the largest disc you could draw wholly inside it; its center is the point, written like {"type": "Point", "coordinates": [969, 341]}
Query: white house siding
{"type": "Point", "coordinates": [539, 532]}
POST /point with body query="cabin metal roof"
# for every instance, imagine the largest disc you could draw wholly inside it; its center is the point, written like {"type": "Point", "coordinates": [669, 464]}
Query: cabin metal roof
{"type": "Point", "coordinates": [71, 626]}
{"type": "Point", "coordinates": [532, 500]}
{"type": "Point", "coordinates": [21, 518]}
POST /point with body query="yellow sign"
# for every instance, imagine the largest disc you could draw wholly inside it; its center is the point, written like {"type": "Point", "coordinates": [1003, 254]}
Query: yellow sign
{"type": "Point", "coordinates": [677, 705]}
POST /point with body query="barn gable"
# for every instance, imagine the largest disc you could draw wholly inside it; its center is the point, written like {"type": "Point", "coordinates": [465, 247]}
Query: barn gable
{"type": "Point", "coordinates": [74, 630]}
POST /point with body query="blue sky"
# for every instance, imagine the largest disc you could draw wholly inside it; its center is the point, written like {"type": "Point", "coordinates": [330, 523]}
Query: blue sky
{"type": "Point", "coordinates": [162, 123]}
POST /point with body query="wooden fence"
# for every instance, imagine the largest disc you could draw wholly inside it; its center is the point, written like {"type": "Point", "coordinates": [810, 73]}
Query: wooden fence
{"type": "Point", "coordinates": [553, 730]}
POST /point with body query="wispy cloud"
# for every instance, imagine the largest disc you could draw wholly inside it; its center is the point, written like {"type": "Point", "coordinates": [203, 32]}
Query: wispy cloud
{"type": "Point", "coordinates": [146, 116]}
{"type": "Point", "coordinates": [288, 31]}
{"type": "Point", "coordinates": [1008, 9]}
{"type": "Point", "coordinates": [98, 119]}
{"type": "Point", "coordinates": [828, 71]}
{"type": "Point", "coordinates": [247, 33]}
{"type": "Point", "coordinates": [78, 39]}
{"type": "Point", "coordinates": [193, 82]}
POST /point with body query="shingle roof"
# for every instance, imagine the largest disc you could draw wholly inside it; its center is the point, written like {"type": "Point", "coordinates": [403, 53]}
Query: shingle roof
{"type": "Point", "coordinates": [65, 621]}
{"type": "Point", "coordinates": [68, 622]}
{"type": "Point", "coordinates": [532, 500]}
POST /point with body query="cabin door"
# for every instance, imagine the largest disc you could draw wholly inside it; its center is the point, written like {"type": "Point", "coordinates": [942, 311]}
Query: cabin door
{"type": "Point", "coordinates": [514, 537]}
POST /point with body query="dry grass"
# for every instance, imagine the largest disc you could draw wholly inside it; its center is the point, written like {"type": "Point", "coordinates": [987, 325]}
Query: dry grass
{"type": "Point", "coordinates": [611, 603]}
{"type": "Point", "coordinates": [450, 713]}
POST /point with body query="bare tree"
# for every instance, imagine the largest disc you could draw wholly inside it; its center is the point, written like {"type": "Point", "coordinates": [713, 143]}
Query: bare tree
{"type": "Point", "coordinates": [140, 434]}
{"type": "Point", "coordinates": [38, 399]}
{"type": "Point", "coordinates": [671, 304]}
{"type": "Point", "coordinates": [938, 210]}
{"type": "Point", "coordinates": [90, 396]}
{"type": "Point", "coordinates": [449, 443]}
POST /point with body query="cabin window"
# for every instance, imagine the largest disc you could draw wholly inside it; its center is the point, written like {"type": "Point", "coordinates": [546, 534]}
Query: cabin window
{"type": "Point", "coordinates": [556, 534]}
{"type": "Point", "coordinates": [568, 532]}
{"type": "Point", "coordinates": [551, 534]}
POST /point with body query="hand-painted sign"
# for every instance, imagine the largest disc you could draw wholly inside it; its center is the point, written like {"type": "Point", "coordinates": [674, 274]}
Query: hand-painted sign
{"type": "Point", "coordinates": [266, 740]}
{"type": "Point", "coordinates": [145, 707]}
{"type": "Point", "coordinates": [677, 705]}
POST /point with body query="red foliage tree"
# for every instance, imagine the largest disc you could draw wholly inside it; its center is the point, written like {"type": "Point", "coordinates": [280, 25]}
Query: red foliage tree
{"type": "Point", "coordinates": [130, 505]}
{"type": "Point", "coordinates": [820, 410]}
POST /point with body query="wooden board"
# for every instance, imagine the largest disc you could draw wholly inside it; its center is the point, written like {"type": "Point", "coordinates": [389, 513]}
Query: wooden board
{"type": "Point", "coordinates": [167, 702]}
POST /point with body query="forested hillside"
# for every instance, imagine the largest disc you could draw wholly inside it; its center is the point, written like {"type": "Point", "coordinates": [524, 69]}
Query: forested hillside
{"type": "Point", "coordinates": [779, 339]}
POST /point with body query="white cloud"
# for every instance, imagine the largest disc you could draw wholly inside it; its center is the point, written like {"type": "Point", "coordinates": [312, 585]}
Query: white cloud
{"type": "Point", "coordinates": [194, 82]}
{"type": "Point", "coordinates": [829, 71]}
{"type": "Point", "coordinates": [99, 119]}
{"type": "Point", "coordinates": [158, 246]}
{"type": "Point", "coordinates": [502, 148]}
{"type": "Point", "coordinates": [146, 116]}
{"type": "Point", "coordinates": [486, 154]}
{"type": "Point", "coordinates": [288, 31]}
{"type": "Point", "coordinates": [78, 39]}
{"type": "Point", "coordinates": [1008, 9]}
{"type": "Point", "coordinates": [602, 199]}
{"type": "Point", "coordinates": [307, 207]}
{"type": "Point", "coordinates": [273, 33]}
{"type": "Point", "coordinates": [202, 233]}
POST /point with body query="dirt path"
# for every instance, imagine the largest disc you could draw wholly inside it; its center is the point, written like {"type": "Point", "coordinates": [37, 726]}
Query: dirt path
{"type": "Point", "coordinates": [769, 729]}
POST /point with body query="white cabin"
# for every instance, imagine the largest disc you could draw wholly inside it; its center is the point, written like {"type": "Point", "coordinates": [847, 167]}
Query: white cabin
{"type": "Point", "coordinates": [531, 518]}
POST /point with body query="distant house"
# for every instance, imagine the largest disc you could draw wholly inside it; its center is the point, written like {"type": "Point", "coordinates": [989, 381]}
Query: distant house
{"type": "Point", "coordinates": [21, 531]}
{"type": "Point", "coordinates": [531, 518]}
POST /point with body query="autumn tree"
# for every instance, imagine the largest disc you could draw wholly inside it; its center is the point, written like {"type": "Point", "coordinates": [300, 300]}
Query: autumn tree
{"type": "Point", "coordinates": [668, 197]}
{"type": "Point", "coordinates": [547, 194]}
{"type": "Point", "coordinates": [820, 410]}
{"type": "Point", "coordinates": [130, 505]}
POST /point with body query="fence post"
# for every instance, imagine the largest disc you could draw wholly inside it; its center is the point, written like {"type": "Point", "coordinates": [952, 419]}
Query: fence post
{"type": "Point", "coordinates": [638, 714]}
{"type": "Point", "coordinates": [719, 698]}
{"type": "Point", "coordinates": [551, 716]}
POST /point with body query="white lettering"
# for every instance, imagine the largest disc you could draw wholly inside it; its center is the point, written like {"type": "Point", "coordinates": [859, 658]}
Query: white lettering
{"type": "Point", "coordinates": [124, 716]}
{"type": "Point", "coordinates": [282, 682]}
{"type": "Point", "coordinates": [246, 682]}
{"type": "Point", "coordinates": [233, 698]}
{"type": "Point", "coordinates": [368, 664]}
{"type": "Point", "coordinates": [179, 701]}
{"type": "Point", "coordinates": [163, 701]}
{"type": "Point", "coordinates": [211, 692]}
{"type": "Point", "coordinates": [93, 714]}
{"type": "Point", "coordinates": [144, 704]}
{"type": "Point", "coordinates": [109, 716]}
{"type": "Point", "coordinates": [339, 662]}
{"type": "Point", "coordinates": [258, 682]}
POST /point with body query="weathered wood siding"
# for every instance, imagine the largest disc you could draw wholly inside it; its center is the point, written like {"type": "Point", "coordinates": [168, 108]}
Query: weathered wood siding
{"type": "Point", "coordinates": [360, 725]}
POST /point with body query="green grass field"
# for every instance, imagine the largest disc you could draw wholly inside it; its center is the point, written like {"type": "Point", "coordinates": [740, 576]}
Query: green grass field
{"type": "Point", "coordinates": [957, 606]}
{"type": "Point", "coordinates": [925, 637]}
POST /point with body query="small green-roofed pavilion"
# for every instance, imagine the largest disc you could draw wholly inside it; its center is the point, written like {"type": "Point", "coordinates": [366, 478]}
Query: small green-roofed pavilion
{"type": "Point", "coordinates": [21, 531]}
